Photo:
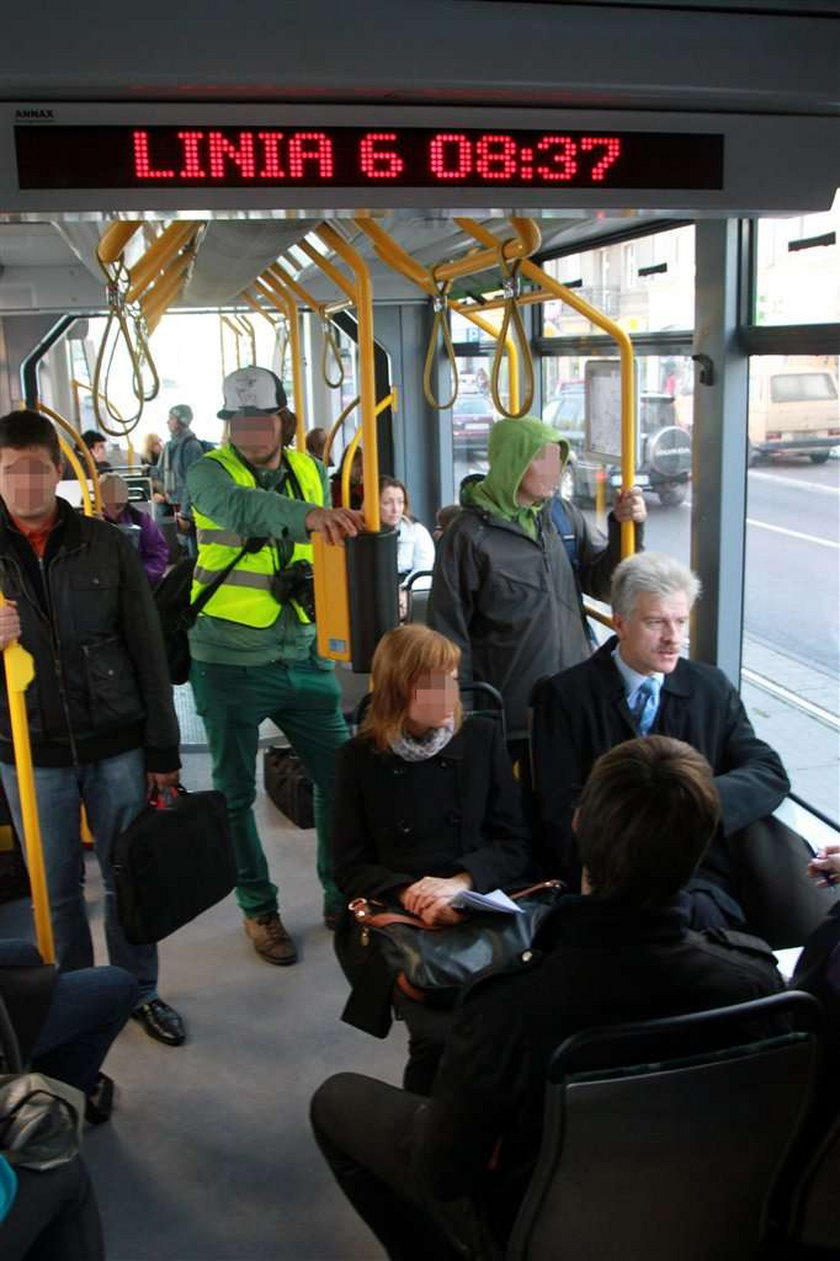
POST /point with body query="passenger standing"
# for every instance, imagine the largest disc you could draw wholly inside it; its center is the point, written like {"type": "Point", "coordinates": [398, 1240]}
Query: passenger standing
{"type": "Point", "coordinates": [180, 453]}
{"type": "Point", "coordinates": [253, 646]}
{"type": "Point", "coordinates": [504, 589]}
{"type": "Point", "coordinates": [101, 718]}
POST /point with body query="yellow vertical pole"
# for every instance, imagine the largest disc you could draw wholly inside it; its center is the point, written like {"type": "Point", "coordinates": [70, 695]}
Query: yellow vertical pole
{"type": "Point", "coordinates": [20, 672]}
{"type": "Point", "coordinates": [363, 298]}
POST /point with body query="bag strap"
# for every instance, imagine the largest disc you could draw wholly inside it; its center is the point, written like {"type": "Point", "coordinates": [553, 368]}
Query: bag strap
{"type": "Point", "coordinates": [212, 587]}
{"type": "Point", "coordinates": [365, 911]}
{"type": "Point", "coordinates": [9, 1043]}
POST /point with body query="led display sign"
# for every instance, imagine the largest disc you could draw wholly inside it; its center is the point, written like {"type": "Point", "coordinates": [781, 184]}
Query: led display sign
{"type": "Point", "coordinates": [137, 157]}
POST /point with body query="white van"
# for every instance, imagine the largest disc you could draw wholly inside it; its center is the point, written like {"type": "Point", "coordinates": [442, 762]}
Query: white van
{"type": "Point", "coordinates": [796, 411]}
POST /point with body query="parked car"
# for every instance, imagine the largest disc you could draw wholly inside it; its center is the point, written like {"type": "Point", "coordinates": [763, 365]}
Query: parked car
{"type": "Point", "coordinates": [473, 416]}
{"type": "Point", "coordinates": [665, 447]}
{"type": "Point", "coordinates": [793, 412]}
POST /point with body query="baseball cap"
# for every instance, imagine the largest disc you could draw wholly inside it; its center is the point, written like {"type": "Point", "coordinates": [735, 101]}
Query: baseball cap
{"type": "Point", "coordinates": [250, 391]}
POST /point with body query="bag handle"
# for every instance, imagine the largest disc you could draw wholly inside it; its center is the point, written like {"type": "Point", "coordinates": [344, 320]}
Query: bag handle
{"type": "Point", "coordinates": [9, 1043]}
{"type": "Point", "coordinates": [364, 910]}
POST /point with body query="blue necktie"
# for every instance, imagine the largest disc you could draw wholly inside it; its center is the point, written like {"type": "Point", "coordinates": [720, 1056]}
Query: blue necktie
{"type": "Point", "coordinates": [646, 705]}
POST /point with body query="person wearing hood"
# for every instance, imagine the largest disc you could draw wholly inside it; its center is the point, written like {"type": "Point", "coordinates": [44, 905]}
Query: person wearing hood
{"type": "Point", "coordinates": [504, 587]}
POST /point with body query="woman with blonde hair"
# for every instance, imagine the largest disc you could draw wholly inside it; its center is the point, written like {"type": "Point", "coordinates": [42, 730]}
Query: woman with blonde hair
{"type": "Point", "coordinates": [426, 808]}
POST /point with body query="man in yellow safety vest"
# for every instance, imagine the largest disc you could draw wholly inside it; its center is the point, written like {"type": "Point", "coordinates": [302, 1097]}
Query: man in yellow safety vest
{"type": "Point", "coordinates": [253, 645]}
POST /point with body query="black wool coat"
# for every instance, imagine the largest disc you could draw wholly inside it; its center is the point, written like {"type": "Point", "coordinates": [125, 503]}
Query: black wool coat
{"type": "Point", "coordinates": [582, 713]}
{"type": "Point", "coordinates": [396, 821]}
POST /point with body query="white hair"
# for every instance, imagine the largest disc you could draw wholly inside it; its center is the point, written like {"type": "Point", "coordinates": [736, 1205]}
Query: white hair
{"type": "Point", "coordinates": [653, 573]}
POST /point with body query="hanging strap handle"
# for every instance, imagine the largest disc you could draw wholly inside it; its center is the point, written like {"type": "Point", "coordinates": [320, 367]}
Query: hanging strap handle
{"type": "Point", "coordinates": [440, 328]}
{"type": "Point", "coordinates": [330, 350]}
{"type": "Point", "coordinates": [512, 316]}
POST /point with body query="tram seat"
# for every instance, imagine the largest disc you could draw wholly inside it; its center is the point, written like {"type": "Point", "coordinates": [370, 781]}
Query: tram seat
{"type": "Point", "coordinates": [814, 1222]}
{"type": "Point", "coordinates": [780, 901]}
{"type": "Point", "coordinates": [354, 689]}
{"type": "Point", "coordinates": [418, 600]}
{"type": "Point", "coordinates": [654, 1149]}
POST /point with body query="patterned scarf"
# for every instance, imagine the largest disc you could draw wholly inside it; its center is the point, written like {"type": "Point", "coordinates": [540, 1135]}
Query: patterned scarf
{"type": "Point", "coordinates": [421, 748]}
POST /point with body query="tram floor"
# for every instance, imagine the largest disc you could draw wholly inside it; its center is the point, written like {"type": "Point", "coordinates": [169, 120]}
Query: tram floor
{"type": "Point", "coordinates": [208, 1155]}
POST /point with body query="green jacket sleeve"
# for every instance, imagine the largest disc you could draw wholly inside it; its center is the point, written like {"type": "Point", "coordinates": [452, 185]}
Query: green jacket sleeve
{"type": "Point", "coordinates": [247, 510]}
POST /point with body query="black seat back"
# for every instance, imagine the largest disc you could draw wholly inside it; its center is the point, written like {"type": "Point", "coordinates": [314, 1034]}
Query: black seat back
{"type": "Point", "coordinates": [673, 1155]}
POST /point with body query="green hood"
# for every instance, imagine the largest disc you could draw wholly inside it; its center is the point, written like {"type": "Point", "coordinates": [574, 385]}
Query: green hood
{"type": "Point", "coordinates": [513, 445]}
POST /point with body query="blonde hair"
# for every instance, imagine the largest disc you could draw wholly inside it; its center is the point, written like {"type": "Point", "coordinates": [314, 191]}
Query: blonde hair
{"type": "Point", "coordinates": [402, 657]}
{"type": "Point", "coordinates": [147, 445]}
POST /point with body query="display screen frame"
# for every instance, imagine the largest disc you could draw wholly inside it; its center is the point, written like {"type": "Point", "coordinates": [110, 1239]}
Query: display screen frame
{"type": "Point", "coordinates": [771, 164]}
{"type": "Point", "coordinates": [181, 155]}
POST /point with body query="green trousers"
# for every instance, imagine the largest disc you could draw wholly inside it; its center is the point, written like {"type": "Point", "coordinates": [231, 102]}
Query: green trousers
{"type": "Point", "coordinates": [304, 702]}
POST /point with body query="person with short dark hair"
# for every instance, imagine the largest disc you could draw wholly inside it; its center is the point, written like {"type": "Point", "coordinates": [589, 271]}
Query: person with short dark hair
{"type": "Point", "coordinates": [97, 444]}
{"type": "Point", "coordinates": [101, 719]}
{"type": "Point", "coordinates": [426, 1172]}
{"type": "Point", "coordinates": [638, 683]}
{"type": "Point", "coordinates": [316, 441]}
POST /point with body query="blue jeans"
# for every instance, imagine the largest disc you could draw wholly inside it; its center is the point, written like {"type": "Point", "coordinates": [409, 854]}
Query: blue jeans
{"type": "Point", "coordinates": [113, 792]}
{"type": "Point", "coordinates": [87, 1010]}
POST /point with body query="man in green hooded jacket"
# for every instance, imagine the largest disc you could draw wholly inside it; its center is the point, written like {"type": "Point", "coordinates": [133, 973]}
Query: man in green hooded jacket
{"type": "Point", "coordinates": [504, 588]}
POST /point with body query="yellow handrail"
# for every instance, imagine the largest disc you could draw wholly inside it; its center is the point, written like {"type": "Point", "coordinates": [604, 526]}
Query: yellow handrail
{"type": "Point", "coordinates": [390, 400]}
{"type": "Point", "coordinates": [334, 428]}
{"type": "Point", "coordinates": [360, 290]}
{"type": "Point", "coordinates": [20, 671]}
{"type": "Point", "coordinates": [270, 287]}
{"type": "Point", "coordinates": [74, 462]}
{"type": "Point", "coordinates": [628, 370]}
{"type": "Point", "coordinates": [114, 239]}
{"type": "Point", "coordinates": [93, 472]}
{"type": "Point", "coordinates": [158, 256]}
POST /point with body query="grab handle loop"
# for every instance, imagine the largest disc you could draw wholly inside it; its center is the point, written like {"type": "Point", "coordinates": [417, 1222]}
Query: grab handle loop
{"type": "Point", "coordinates": [330, 350]}
{"type": "Point", "coordinates": [116, 331]}
{"type": "Point", "coordinates": [512, 317]}
{"type": "Point", "coordinates": [440, 328]}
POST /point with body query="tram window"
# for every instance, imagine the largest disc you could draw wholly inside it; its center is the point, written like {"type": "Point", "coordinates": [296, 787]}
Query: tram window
{"type": "Point", "coordinates": [798, 269]}
{"type": "Point", "coordinates": [341, 396]}
{"type": "Point", "coordinates": [646, 285]}
{"type": "Point", "coordinates": [473, 414]}
{"type": "Point", "coordinates": [665, 414]}
{"type": "Point", "coordinates": [790, 675]}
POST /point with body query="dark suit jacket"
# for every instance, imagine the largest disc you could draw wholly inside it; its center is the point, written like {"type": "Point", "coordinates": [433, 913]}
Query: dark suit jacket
{"type": "Point", "coordinates": [581, 713]}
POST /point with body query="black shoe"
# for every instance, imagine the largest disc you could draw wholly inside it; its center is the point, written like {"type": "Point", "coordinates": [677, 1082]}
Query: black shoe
{"type": "Point", "coordinates": [99, 1100]}
{"type": "Point", "coordinates": [160, 1021]}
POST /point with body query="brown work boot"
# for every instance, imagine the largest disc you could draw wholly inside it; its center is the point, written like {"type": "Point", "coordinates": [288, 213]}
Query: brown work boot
{"type": "Point", "coordinates": [270, 939]}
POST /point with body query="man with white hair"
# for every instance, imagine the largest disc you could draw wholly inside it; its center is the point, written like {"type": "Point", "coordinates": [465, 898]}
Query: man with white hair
{"type": "Point", "coordinates": [638, 684]}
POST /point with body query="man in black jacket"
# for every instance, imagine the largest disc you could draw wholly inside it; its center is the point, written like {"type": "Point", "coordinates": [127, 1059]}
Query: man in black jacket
{"type": "Point", "coordinates": [422, 1171]}
{"type": "Point", "coordinates": [101, 719]}
{"type": "Point", "coordinates": [638, 683]}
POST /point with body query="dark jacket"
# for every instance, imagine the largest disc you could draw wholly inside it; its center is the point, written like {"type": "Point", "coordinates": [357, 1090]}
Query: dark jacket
{"type": "Point", "coordinates": [396, 821]}
{"type": "Point", "coordinates": [580, 714]}
{"type": "Point", "coordinates": [595, 963]}
{"type": "Point", "coordinates": [101, 683]}
{"type": "Point", "coordinates": [512, 603]}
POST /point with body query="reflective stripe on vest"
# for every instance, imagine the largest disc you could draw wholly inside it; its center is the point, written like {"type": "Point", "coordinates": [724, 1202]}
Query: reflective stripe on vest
{"type": "Point", "coordinates": [245, 595]}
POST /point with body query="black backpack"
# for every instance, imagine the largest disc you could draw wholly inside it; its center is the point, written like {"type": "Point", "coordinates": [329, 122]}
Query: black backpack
{"type": "Point", "coordinates": [177, 614]}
